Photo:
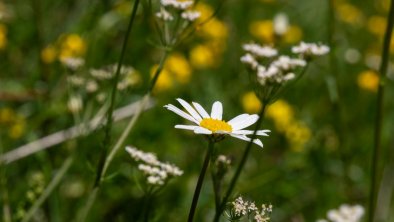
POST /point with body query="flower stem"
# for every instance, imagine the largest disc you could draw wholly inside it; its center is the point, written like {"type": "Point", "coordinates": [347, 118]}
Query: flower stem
{"type": "Point", "coordinates": [241, 164]}
{"type": "Point", "coordinates": [379, 114]}
{"type": "Point", "coordinates": [108, 126]}
{"type": "Point", "coordinates": [200, 180]}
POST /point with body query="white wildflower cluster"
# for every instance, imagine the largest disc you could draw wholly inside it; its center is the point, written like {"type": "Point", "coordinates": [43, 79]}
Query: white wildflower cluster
{"type": "Point", "coordinates": [270, 68]}
{"type": "Point", "coordinates": [345, 213]}
{"type": "Point", "coordinates": [97, 81]}
{"type": "Point", "coordinates": [156, 172]}
{"type": "Point", "coordinates": [309, 50]}
{"type": "Point", "coordinates": [73, 63]}
{"type": "Point", "coordinates": [177, 4]}
{"type": "Point", "coordinates": [168, 7]}
{"type": "Point", "coordinates": [164, 15]}
{"type": "Point", "coordinates": [241, 208]}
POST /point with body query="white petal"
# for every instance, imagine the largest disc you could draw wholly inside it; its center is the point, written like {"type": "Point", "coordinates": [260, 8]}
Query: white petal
{"type": "Point", "coordinates": [201, 110]}
{"type": "Point", "coordinates": [217, 110]}
{"type": "Point", "coordinates": [181, 113]}
{"type": "Point", "coordinates": [190, 109]}
{"type": "Point", "coordinates": [202, 130]}
{"type": "Point", "coordinates": [255, 141]}
{"type": "Point", "coordinates": [245, 122]}
{"type": "Point", "coordinates": [186, 127]}
{"type": "Point", "coordinates": [238, 118]}
{"type": "Point", "coordinates": [250, 132]}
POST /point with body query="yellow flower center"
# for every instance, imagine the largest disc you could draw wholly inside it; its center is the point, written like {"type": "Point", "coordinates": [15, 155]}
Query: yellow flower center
{"type": "Point", "coordinates": [215, 125]}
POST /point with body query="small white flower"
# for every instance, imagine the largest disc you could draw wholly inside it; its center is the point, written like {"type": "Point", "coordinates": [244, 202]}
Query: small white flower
{"type": "Point", "coordinates": [72, 63]}
{"type": "Point", "coordinates": [249, 60]}
{"type": "Point", "coordinates": [286, 63]}
{"type": "Point", "coordinates": [191, 15]}
{"type": "Point", "coordinates": [75, 104]}
{"type": "Point", "coordinates": [310, 49]}
{"type": "Point", "coordinates": [177, 4]}
{"type": "Point", "coordinates": [346, 213]}
{"type": "Point", "coordinates": [91, 86]}
{"type": "Point", "coordinates": [260, 51]}
{"type": "Point", "coordinates": [164, 15]}
{"type": "Point", "coordinates": [213, 124]}
{"type": "Point", "coordinates": [281, 24]}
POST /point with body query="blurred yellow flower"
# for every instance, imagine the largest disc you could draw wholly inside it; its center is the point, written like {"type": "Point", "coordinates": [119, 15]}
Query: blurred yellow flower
{"type": "Point", "coordinates": [250, 102]}
{"type": "Point", "coordinates": [179, 66]}
{"type": "Point", "coordinates": [263, 30]}
{"type": "Point", "coordinates": [298, 134]}
{"type": "Point", "coordinates": [6, 115]}
{"type": "Point", "coordinates": [368, 80]}
{"type": "Point", "coordinates": [281, 113]}
{"type": "Point", "coordinates": [292, 35]}
{"type": "Point", "coordinates": [205, 10]}
{"type": "Point", "coordinates": [214, 29]}
{"type": "Point", "coordinates": [202, 56]}
{"type": "Point", "coordinates": [376, 25]}
{"type": "Point", "coordinates": [48, 54]}
{"type": "Point", "coordinates": [12, 121]}
{"type": "Point", "coordinates": [349, 13]}
{"type": "Point", "coordinates": [164, 82]}
{"type": "Point", "coordinates": [17, 129]}
{"type": "Point", "coordinates": [72, 46]}
{"type": "Point", "coordinates": [3, 36]}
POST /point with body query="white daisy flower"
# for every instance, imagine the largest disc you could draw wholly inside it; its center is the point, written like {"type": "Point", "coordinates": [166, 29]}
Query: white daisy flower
{"type": "Point", "coordinates": [214, 124]}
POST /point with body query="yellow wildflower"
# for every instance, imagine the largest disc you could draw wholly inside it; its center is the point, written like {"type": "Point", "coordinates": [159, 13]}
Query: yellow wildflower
{"type": "Point", "coordinates": [48, 54]}
{"type": "Point", "coordinates": [292, 35]}
{"type": "Point", "coordinates": [297, 134]}
{"type": "Point", "coordinates": [6, 115]}
{"type": "Point", "coordinates": [281, 113]}
{"type": "Point", "coordinates": [72, 46]}
{"type": "Point", "coordinates": [250, 102]}
{"type": "Point", "coordinates": [179, 66]}
{"type": "Point", "coordinates": [349, 13]}
{"type": "Point", "coordinates": [205, 10]}
{"type": "Point", "coordinates": [202, 56]}
{"type": "Point", "coordinates": [3, 36]}
{"type": "Point", "coordinates": [164, 82]}
{"type": "Point", "coordinates": [263, 30]}
{"type": "Point", "coordinates": [214, 29]}
{"type": "Point", "coordinates": [17, 129]}
{"type": "Point", "coordinates": [377, 25]}
{"type": "Point", "coordinates": [368, 80]}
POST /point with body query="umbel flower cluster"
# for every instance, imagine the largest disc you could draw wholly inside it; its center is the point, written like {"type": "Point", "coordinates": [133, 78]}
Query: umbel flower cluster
{"type": "Point", "coordinates": [273, 70]}
{"type": "Point", "coordinates": [95, 84]}
{"type": "Point", "coordinates": [345, 213]}
{"type": "Point", "coordinates": [156, 172]}
{"type": "Point", "coordinates": [175, 17]}
{"type": "Point", "coordinates": [240, 208]}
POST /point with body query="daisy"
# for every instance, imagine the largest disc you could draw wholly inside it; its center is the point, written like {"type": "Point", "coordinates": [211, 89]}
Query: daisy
{"type": "Point", "coordinates": [214, 124]}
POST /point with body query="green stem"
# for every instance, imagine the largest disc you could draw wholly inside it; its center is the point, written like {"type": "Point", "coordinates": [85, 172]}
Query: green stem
{"type": "Point", "coordinates": [52, 185]}
{"type": "Point", "coordinates": [200, 180]}
{"type": "Point", "coordinates": [379, 114]}
{"type": "Point", "coordinates": [123, 137]}
{"type": "Point", "coordinates": [241, 164]}
{"type": "Point", "coordinates": [108, 126]}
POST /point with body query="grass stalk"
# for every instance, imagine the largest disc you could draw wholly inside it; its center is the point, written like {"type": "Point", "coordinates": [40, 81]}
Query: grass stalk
{"type": "Point", "coordinates": [379, 115]}
{"type": "Point", "coordinates": [108, 126]}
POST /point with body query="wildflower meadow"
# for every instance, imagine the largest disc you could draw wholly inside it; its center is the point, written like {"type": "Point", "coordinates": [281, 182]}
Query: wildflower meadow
{"type": "Point", "coordinates": [197, 110]}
